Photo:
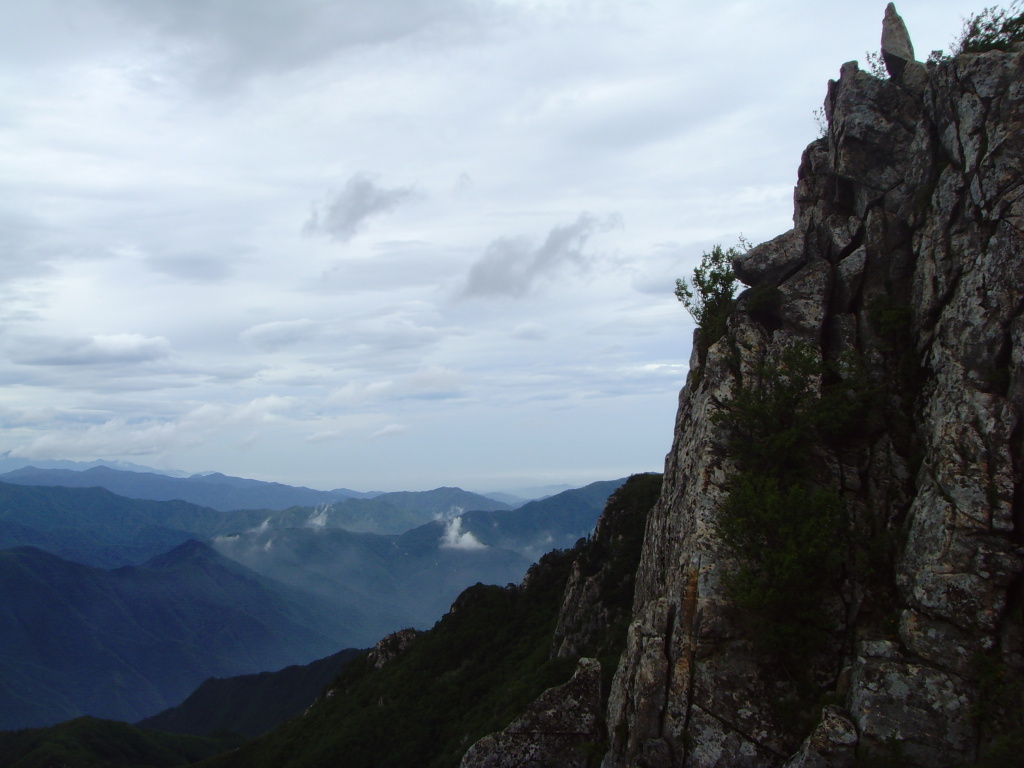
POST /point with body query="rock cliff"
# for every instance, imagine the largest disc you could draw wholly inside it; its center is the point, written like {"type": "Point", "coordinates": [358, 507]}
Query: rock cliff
{"type": "Point", "coordinates": [903, 279]}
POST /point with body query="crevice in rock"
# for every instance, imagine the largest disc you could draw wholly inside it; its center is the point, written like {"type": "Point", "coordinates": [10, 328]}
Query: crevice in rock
{"type": "Point", "coordinates": [855, 242]}
{"type": "Point", "coordinates": [690, 604]}
{"type": "Point", "coordinates": [670, 630]}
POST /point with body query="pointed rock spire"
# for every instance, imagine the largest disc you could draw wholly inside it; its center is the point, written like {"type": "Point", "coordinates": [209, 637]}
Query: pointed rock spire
{"type": "Point", "coordinates": [897, 50]}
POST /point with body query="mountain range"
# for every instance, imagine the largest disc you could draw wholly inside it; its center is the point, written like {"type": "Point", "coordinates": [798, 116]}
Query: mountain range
{"type": "Point", "coordinates": [415, 698]}
{"type": "Point", "coordinates": [138, 601]}
{"type": "Point", "coordinates": [213, 490]}
{"type": "Point", "coordinates": [94, 525]}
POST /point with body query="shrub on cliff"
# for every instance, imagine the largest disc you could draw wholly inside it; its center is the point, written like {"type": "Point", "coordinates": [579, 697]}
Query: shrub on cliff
{"type": "Point", "coordinates": [991, 29]}
{"type": "Point", "coordinates": [708, 295]}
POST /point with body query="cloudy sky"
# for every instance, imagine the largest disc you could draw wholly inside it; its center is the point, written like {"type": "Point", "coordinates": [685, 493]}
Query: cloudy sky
{"type": "Point", "coordinates": [387, 244]}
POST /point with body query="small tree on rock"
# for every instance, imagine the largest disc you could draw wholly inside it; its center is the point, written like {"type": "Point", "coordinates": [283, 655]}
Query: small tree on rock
{"type": "Point", "coordinates": [708, 295]}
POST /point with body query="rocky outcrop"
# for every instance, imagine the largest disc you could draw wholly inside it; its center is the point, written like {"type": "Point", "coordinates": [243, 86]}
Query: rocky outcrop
{"type": "Point", "coordinates": [897, 49]}
{"type": "Point", "coordinates": [554, 732]}
{"type": "Point", "coordinates": [391, 647]}
{"type": "Point", "coordinates": [907, 258]}
{"type": "Point", "coordinates": [599, 596]}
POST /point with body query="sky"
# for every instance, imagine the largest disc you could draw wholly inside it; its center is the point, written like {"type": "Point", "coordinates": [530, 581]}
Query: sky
{"type": "Point", "coordinates": [388, 244]}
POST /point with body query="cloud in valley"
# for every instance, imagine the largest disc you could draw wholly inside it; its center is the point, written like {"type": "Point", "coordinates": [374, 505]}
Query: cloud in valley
{"type": "Point", "coordinates": [455, 538]}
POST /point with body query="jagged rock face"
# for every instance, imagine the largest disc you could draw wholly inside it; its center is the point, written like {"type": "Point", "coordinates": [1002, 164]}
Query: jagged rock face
{"type": "Point", "coordinates": [391, 647]}
{"type": "Point", "coordinates": [553, 732]}
{"type": "Point", "coordinates": [599, 595]}
{"type": "Point", "coordinates": [908, 253]}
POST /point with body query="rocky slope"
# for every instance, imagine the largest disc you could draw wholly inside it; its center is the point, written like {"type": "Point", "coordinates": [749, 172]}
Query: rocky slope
{"type": "Point", "coordinates": [903, 281]}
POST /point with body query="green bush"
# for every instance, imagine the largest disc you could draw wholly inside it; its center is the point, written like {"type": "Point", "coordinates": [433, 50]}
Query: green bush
{"type": "Point", "coordinates": [789, 539]}
{"type": "Point", "coordinates": [775, 419]}
{"type": "Point", "coordinates": [708, 295]}
{"type": "Point", "coordinates": [992, 29]}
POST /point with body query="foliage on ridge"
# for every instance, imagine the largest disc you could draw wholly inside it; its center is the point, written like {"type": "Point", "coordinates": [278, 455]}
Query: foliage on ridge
{"type": "Point", "coordinates": [88, 742]}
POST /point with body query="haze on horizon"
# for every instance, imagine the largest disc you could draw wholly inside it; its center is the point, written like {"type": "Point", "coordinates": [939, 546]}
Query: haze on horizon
{"type": "Point", "coordinates": [388, 244]}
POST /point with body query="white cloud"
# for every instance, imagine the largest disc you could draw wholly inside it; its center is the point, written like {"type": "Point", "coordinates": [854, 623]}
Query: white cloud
{"type": "Point", "coordinates": [106, 435]}
{"type": "Point", "coordinates": [317, 519]}
{"type": "Point", "coordinates": [433, 383]}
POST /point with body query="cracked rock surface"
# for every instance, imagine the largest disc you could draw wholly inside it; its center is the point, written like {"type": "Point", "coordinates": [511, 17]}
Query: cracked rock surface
{"type": "Point", "coordinates": [908, 252]}
{"type": "Point", "coordinates": [554, 730]}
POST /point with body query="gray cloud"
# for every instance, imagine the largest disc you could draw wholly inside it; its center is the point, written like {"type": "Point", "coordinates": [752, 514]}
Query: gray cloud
{"type": "Point", "coordinates": [530, 332]}
{"type": "Point", "coordinates": [510, 266]}
{"type": "Point", "coordinates": [163, 155]}
{"type": "Point", "coordinates": [24, 251]}
{"type": "Point", "coordinates": [270, 337]}
{"type": "Point", "coordinates": [345, 212]}
{"type": "Point", "coordinates": [112, 349]}
{"type": "Point", "coordinates": [193, 268]}
{"type": "Point", "coordinates": [219, 46]}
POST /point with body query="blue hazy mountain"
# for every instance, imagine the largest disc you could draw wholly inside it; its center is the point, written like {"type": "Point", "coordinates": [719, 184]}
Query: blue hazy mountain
{"type": "Point", "coordinates": [417, 574]}
{"type": "Point", "coordinates": [534, 528]}
{"type": "Point", "coordinates": [9, 463]}
{"type": "Point", "coordinates": [129, 642]}
{"type": "Point", "coordinates": [217, 491]}
{"type": "Point", "coordinates": [393, 512]}
{"type": "Point", "coordinates": [95, 527]}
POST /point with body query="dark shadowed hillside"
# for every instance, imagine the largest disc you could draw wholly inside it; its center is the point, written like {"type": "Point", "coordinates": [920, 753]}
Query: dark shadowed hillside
{"type": "Point", "coordinates": [87, 742]}
{"type": "Point", "coordinates": [126, 643]}
{"type": "Point", "coordinates": [250, 704]}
